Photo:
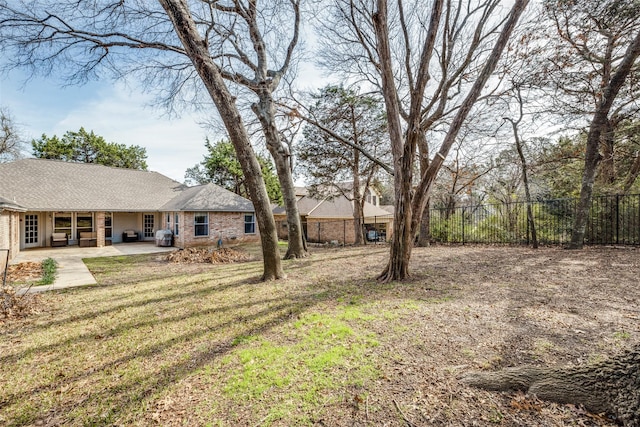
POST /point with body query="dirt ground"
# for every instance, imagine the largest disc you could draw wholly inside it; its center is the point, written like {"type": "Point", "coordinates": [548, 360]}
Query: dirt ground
{"type": "Point", "coordinates": [506, 307]}
{"type": "Point", "coordinates": [466, 308]}
{"type": "Point", "coordinates": [483, 308]}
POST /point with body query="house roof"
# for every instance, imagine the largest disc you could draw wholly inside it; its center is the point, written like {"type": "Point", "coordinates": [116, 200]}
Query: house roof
{"type": "Point", "coordinates": [338, 207]}
{"type": "Point", "coordinates": [6, 204]}
{"type": "Point", "coordinates": [52, 185]}
{"type": "Point", "coordinates": [341, 207]}
{"type": "Point", "coordinates": [199, 198]}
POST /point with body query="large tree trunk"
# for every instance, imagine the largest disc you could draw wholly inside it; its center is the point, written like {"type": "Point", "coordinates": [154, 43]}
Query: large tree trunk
{"type": "Point", "coordinates": [598, 125]}
{"type": "Point", "coordinates": [607, 172]}
{"type": "Point", "coordinates": [611, 386]}
{"type": "Point", "coordinates": [424, 238]}
{"type": "Point", "coordinates": [409, 209]}
{"type": "Point", "coordinates": [195, 47]}
{"type": "Point", "coordinates": [358, 210]}
{"type": "Point", "coordinates": [525, 179]}
{"type": "Point", "coordinates": [265, 111]}
{"type": "Point", "coordinates": [424, 235]}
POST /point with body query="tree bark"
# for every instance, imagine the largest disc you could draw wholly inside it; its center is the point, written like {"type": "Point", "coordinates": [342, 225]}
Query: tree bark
{"type": "Point", "coordinates": [400, 249]}
{"type": "Point", "coordinates": [195, 48]}
{"type": "Point", "coordinates": [607, 171]}
{"type": "Point", "coordinates": [611, 386]}
{"type": "Point", "coordinates": [424, 235]}
{"type": "Point", "coordinates": [424, 238]}
{"type": "Point", "coordinates": [525, 172]}
{"type": "Point", "coordinates": [358, 211]}
{"type": "Point", "coordinates": [592, 155]}
{"type": "Point", "coordinates": [265, 111]}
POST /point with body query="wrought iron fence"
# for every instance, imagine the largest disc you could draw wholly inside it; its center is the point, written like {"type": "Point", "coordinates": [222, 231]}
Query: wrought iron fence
{"type": "Point", "coordinates": [612, 220]}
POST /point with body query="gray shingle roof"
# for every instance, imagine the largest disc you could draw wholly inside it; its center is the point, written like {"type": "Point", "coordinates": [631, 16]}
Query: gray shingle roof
{"type": "Point", "coordinates": [338, 207]}
{"type": "Point", "coordinates": [11, 206]}
{"type": "Point", "coordinates": [51, 185]}
{"type": "Point", "coordinates": [200, 198]}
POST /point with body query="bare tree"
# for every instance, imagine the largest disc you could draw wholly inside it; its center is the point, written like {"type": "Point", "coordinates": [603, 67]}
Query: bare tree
{"type": "Point", "coordinates": [167, 44]}
{"type": "Point", "coordinates": [431, 65]}
{"type": "Point", "coordinates": [11, 142]}
{"type": "Point", "coordinates": [592, 48]}
{"type": "Point", "coordinates": [515, 124]}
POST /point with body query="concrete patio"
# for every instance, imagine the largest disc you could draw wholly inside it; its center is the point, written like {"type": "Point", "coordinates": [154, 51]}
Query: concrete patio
{"type": "Point", "coordinates": [72, 271]}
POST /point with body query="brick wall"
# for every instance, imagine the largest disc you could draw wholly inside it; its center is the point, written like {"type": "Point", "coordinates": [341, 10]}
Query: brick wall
{"type": "Point", "coordinates": [226, 225]}
{"type": "Point", "coordinates": [10, 232]}
{"type": "Point", "coordinates": [99, 227]}
{"type": "Point", "coordinates": [322, 231]}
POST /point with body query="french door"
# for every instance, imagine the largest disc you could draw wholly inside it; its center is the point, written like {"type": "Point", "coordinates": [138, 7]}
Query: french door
{"type": "Point", "coordinates": [148, 225]}
{"type": "Point", "coordinates": [31, 230]}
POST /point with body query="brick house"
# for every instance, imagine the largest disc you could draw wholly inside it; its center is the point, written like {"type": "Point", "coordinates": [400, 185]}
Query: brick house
{"type": "Point", "coordinates": [331, 219]}
{"type": "Point", "coordinates": [40, 197]}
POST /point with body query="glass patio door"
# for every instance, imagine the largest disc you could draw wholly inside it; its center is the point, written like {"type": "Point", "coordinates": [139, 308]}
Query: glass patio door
{"type": "Point", "coordinates": [31, 235]}
{"type": "Point", "coordinates": [148, 225]}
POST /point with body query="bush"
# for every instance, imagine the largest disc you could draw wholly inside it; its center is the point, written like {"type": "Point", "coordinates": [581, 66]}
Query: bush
{"type": "Point", "coordinates": [49, 270]}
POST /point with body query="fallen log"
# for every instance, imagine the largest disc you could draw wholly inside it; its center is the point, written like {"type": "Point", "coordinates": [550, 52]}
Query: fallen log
{"type": "Point", "coordinates": [611, 386]}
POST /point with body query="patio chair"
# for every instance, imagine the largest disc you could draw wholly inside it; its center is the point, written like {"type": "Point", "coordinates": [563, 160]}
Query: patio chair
{"type": "Point", "coordinates": [129, 236]}
{"type": "Point", "coordinates": [59, 239]}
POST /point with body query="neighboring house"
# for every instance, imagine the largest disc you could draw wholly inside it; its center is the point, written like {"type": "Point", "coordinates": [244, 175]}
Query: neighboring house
{"type": "Point", "coordinates": [331, 219]}
{"type": "Point", "coordinates": [40, 197]}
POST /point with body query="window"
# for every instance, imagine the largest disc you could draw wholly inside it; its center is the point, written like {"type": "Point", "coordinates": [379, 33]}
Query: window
{"type": "Point", "coordinates": [108, 225]}
{"type": "Point", "coordinates": [249, 223]}
{"type": "Point", "coordinates": [62, 223]}
{"type": "Point", "coordinates": [201, 224]}
{"type": "Point", "coordinates": [176, 221]}
{"type": "Point", "coordinates": [84, 222]}
{"type": "Point", "coordinates": [168, 221]}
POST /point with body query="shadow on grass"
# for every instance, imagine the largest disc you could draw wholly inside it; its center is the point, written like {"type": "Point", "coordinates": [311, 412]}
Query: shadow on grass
{"type": "Point", "coordinates": [258, 308]}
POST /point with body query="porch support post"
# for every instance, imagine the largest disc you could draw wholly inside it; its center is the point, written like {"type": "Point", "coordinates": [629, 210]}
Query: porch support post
{"type": "Point", "coordinates": [100, 229]}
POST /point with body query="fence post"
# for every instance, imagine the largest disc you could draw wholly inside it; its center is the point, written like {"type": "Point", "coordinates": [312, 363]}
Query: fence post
{"type": "Point", "coordinates": [617, 219]}
{"type": "Point", "coordinates": [344, 232]}
{"type": "Point", "coordinates": [463, 212]}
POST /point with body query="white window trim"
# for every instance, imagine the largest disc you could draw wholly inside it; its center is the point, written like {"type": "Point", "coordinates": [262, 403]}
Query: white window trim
{"type": "Point", "coordinates": [253, 221]}
{"type": "Point", "coordinates": [206, 224]}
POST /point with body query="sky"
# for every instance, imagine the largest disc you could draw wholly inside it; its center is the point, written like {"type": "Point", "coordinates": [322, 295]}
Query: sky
{"type": "Point", "coordinates": [114, 111]}
{"type": "Point", "coordinates": [118, 113]}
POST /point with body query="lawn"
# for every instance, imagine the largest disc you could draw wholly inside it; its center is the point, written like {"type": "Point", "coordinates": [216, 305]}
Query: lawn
{"type": "Point", "coordinates": [158, 343]}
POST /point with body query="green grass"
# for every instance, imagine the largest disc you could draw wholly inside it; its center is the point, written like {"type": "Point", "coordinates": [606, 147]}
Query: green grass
{"type": "Point", "coordinates": [212, 334]}
{"type": "Point", "coordinates": [49, 271]}
{"type": "Point", "coordinates": [323, 354]}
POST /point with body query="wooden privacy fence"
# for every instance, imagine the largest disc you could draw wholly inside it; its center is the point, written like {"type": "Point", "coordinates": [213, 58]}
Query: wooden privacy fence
{"type": "Point", "coordinates": [613, 220]}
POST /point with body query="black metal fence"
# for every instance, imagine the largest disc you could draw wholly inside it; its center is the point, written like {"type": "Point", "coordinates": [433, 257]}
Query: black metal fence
{"type": "Point", "coordinates": [612, 220]}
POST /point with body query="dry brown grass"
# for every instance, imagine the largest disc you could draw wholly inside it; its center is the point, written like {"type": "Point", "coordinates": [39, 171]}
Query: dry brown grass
{"type": "Point", "coordinates": [157, 343]}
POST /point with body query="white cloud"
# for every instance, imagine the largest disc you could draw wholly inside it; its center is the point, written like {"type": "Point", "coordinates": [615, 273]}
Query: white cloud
{"type": "Point", "coordinates": [113, 112]}
{"type": "Point", "coordinates": [172, 145]}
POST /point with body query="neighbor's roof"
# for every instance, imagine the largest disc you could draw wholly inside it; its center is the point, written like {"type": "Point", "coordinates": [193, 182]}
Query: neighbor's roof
{"type": "Point", "coordinates": [52, 185]}
{"type": "Point", "coordinates": [341, 207]}
{"type": "Point", "coordinates": [199, 198]}
{"type": "Point", "coordinates": [338, 207]}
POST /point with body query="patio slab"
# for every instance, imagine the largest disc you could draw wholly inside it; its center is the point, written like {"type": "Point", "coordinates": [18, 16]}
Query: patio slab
{"type": "Point", "coordinates": [72, 271]}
